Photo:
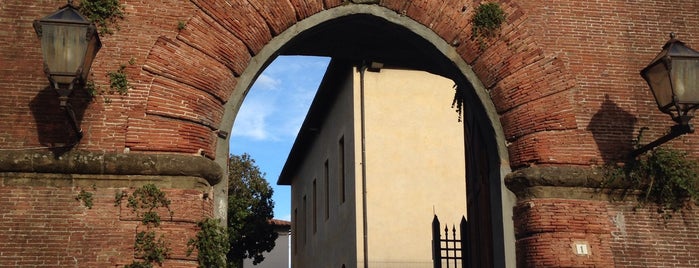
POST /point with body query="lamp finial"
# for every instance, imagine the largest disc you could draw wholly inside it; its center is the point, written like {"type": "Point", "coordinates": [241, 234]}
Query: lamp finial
{"type": "Point", "coordinates": [672, 35]}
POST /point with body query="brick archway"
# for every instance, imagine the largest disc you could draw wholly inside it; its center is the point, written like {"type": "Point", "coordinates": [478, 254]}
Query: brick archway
{"type": "Point", "coordinates": [214, 53]}
{"type": "Point", "coordinates": [222, 50]}
{"type": "Point", "coordinates": [484, 123]}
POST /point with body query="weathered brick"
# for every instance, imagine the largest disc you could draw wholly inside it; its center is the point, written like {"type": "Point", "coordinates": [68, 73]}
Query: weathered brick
{"type": "Point", "coordinates": [172, 99]}
{"type": "Point", "coordinates": [160, 134]}
{"type": "Point", "coordinates": [305, 9]}
{"type": "Point", "coordinates": [208, 36]}
{"type": "Point", "coordinates": [548, 229]}
{"type": "Point", "coordinates": [279, 15]}
{"type": "Point", "coordinates": [328, 3]}
{"type": "Point", "coordinates": [241, 18]}
{"type": "Point", "coordinates": [50, 228]}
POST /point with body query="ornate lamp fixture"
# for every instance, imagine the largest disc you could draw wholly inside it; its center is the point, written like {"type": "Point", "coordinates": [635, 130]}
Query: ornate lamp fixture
{"type": "Point", "coordinates": [69, 43]}
{"type": "Point", "coordinates": [673, 78]}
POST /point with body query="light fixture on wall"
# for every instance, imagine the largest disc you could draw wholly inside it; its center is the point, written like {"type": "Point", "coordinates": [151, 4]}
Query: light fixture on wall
{"type": "Point", "coordinates": [673, 78]}
{"type": "Point", "coordinates": [69, 43]}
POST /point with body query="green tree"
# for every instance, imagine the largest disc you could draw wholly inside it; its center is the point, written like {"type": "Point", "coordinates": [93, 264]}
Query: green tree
{"type": "Point", "coordinates": [250, 208]}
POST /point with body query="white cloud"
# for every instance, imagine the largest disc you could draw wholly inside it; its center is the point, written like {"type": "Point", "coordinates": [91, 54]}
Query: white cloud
{"type": "Point", "coordinates": [267, 82]}
{"type": "Point", "coordinates": [252, 120]}
{"type": "Point", "coordinates": [277, 103]}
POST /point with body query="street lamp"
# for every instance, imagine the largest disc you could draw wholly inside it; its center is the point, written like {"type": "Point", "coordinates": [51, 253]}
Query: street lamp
{"type": "Point", "coordinates": [673, 78]}
{"type": "Point", "coordinates": [69, 43]}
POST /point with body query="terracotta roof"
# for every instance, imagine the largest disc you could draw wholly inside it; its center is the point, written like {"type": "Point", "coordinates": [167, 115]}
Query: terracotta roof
{"type": "Point", "coordinates": [282, 223]}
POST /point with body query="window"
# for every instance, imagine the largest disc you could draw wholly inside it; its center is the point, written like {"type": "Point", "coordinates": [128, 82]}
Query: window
{"type": "Point", "coordinates": [341, 167]}
{"type": "Point", "coordinates": [315, 207]}
{"type": "Point", "coordinates": [295, 234]}
{"type": "Point", "coordinates": [304, 220]}
{"type": "Point", "coordinates": [326, 181]}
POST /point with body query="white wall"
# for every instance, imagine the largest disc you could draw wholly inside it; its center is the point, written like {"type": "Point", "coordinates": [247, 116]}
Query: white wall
{"type": "Point", "coordinates": [278, 257]}
{"type": "Point", "coordinates": [415, 165]}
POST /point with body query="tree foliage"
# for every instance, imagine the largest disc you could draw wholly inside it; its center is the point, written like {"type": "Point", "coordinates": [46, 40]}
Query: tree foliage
{"type": "Point", "coordinates": [211, 242]}
{"type": "Point", "coordinates": [250, 208]}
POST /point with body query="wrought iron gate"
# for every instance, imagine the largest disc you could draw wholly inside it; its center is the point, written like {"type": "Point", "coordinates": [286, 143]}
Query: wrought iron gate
{"type": "Point", "coordinates": [450, 251]}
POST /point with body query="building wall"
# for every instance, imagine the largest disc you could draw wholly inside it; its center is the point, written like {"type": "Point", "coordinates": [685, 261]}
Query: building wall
{"type": "Point", "coordinates": [640, 236]}
{"type": "Point", "coordinates": [47, 226]}
{"type": "Point", "coordinates": [43, 167]}
{"type": "Point", "coordinates": [279, 256]}
{"type": "Point", "coordinates": [621, 234]}
{"type": "Point", "coordinates": [415, 164]}
{"type": "Point", "coordinates": [333, 243]}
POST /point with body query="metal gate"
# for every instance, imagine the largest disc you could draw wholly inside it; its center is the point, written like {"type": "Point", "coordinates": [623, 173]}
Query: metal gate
{"type": "Point", "coordinates": [450, 251]}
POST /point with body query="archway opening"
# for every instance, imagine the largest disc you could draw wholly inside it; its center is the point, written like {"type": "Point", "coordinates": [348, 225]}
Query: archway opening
{"type": "Point", "coordinates": [362, 34]}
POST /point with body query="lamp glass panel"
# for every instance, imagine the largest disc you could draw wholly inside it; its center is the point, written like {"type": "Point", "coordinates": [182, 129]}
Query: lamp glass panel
{"type": "Point", "coordinates": [685, 79]}
{"type": "Point", "coordinates": [659, 81]}
{"type": "Point", "coordinates": [90, 54]}
{"type": "Point", "coordinates": [64, 48]}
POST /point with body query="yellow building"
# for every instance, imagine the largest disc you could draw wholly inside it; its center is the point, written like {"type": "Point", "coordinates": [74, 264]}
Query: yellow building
{"type": "Point", "coordinates": [373, 162]}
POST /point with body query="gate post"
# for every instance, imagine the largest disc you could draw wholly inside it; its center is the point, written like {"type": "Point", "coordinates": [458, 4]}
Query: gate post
{"type": "Point", "coordinates": [465, 245]}
{"type": "Point", "coordinates": [436, 244]}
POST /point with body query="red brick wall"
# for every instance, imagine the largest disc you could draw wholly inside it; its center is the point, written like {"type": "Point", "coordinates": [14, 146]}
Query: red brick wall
{"type": "Point", "coordinates": [563, 76]}
{"type": "Point", "coordinates": [47, 227]}
{"type": "Point", "coordinates": [618, 234]}
{"type": "Point", "coordinates": [642, 237]}
{"type": "Point", "coordinates": [603, 45]}
{"type": "Point", "coordinates": [547, 231]}
{"type": "Point", "coordinates": [32, 109]}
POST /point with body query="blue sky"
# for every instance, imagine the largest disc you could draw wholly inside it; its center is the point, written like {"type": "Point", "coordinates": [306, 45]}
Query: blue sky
{"type": "Point", "coordinates": [271, 116]}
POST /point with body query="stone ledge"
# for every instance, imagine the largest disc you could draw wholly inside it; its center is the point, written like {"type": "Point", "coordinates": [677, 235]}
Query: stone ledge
{"type": "Point", "coordinates": [572, 182]}
{"type": "Point", "coordinates": [575, 193]}
{"type": "Point", "coordinates": [101, 163]}
{"type": "Point", "coordinates": [23, 179]}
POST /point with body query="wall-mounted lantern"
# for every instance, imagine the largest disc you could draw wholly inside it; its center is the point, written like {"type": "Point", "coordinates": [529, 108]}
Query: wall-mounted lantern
{"type": "Point", "coordinates": [69, 43]}
{"type": "Point", "coordinates": [673, 78]}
